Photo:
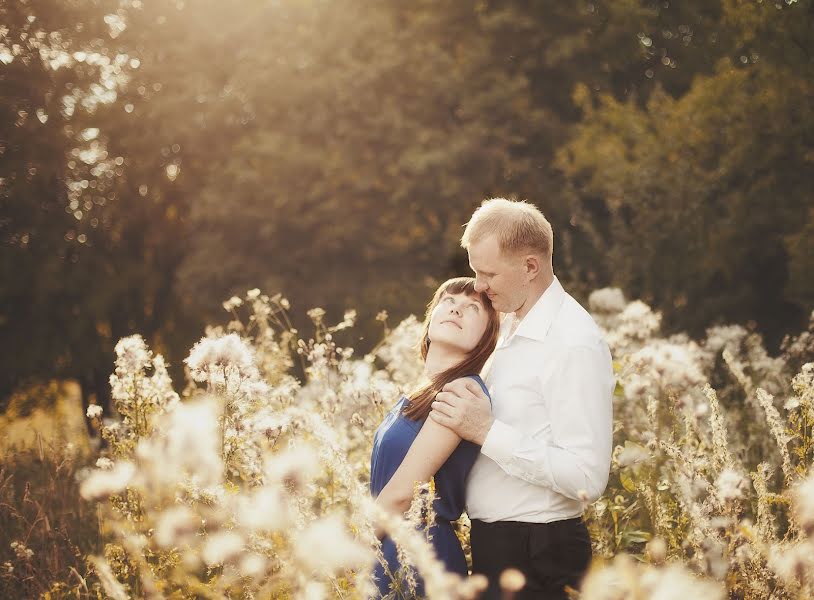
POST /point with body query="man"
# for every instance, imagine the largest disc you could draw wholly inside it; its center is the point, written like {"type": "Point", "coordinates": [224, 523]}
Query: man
{"type": "Point", "coordinates": [547, 437]}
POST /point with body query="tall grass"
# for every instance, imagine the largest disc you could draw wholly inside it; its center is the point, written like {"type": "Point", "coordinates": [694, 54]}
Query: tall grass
{"type": "Point", "coordinates": [48, 530]}
{"type": "Point", "coordinates": [250, 483]}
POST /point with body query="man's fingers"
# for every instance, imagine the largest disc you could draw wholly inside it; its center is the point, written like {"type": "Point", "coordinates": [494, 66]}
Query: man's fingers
{"type": "Point", "coordinates": [464, 387]}
{"type": "Point", "coordinates": [454, 386]}
{"type": "Point", "coordinates": [440, 418]}
{"type": "Point", "coordinates": [447, 398]}
{"type": "Point", "coordinates": [473, 387]}
{"type": "Point", "coordinates": [456, 389]}
{"type": "Point", "coordinates": [442, 408]}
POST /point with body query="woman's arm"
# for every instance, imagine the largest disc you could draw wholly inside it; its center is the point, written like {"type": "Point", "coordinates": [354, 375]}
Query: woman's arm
{"type": "Point", "coordinates": [430, 449]}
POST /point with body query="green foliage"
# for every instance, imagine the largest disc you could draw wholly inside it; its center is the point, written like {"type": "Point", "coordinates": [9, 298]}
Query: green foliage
{"type": "Point", "coordinates": [199, 148]}
{"type": "Point", "coordinates": [714, 183]}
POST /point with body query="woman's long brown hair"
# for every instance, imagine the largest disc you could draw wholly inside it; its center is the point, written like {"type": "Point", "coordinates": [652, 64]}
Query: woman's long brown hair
{"type": "Point", "coordinates": [422, 397]}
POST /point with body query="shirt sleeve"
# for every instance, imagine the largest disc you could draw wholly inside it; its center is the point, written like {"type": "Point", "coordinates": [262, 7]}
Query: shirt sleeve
{"type": "Point", "coordinates": [575, 462]}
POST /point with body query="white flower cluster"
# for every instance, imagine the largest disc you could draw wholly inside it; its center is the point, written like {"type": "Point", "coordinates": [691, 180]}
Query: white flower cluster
{"type": "Point", "coordinates": [609, 301]}
{"type": "Point", "coordinates": [21, 550]}
{"type": "Point", "coordinates": [665, 367]}
{"type": "Point", "coordinates": [240, 485]}
{"type": "Point", "coordinates": [252, 478]}
{"type": "Point", "coordinates": [793, 561]}
{"type": "Point", "coordinates": [221, 360]}
{"type": "Point", "coordinates": [624, 578]}
{"type": "Point", "coordinates": [132, 389]}
{"type": "Point", "coordinates": [399, 351]}
{"type": "Point", "coordinates": [731, 485]}
{"type": "Point", "coordinates": [629, 329]}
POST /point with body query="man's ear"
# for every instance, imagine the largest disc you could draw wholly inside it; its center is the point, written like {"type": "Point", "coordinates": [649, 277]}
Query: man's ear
{"type": "Point", "coordinates": [532, 266]}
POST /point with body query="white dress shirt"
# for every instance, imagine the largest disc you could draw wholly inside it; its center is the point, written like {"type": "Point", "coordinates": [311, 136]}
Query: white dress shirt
{"type": "Point", "coordinates": [549, 450]}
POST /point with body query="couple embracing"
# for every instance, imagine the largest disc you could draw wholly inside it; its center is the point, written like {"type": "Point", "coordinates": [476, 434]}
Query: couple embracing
{"type": "Point", "coordinates": [514, 419]}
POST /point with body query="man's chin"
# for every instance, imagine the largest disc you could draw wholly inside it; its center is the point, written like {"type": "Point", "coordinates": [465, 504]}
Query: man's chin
{"type": "Point", "coordinates": [499, 305]}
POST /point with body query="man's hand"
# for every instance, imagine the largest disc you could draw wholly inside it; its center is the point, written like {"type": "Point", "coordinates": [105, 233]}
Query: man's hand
{"type": "Point", "coordinates": [463, 407]}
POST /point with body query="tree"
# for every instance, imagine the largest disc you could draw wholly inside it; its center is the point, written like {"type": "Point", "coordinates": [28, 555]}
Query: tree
{"type": "Point", "coordinates": [714, 184]}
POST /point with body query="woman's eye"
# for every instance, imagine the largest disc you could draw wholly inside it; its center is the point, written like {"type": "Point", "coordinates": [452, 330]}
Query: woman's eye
{"type": "Point", "coordinates": [475, 306]}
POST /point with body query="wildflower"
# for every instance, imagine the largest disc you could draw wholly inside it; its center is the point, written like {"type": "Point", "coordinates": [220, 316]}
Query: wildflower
{"type": "Point", "coordinates": [232, 303]}
{"type": "Point", "coordinates": [792, 563]}
{"type": "Point", "coordinates": [253, 294]}
{"type": "Point", "coordinates": [675, 583]}
{"type": "Point", "coordinates": [104, 463]}
{"type": "Point", "coordinates": [343, 552]}
{"type": "Point", "coordinates": [803, 495]}
{"type": "Point", "coordinates": [175, 524]}
{"type": "Point", "coordinates": [111, 585]}
{"type": "Point", "coordinates": [132, 355]}
{"type": "Point", "coordinates": [21, 550]}
{"type": "Point", "coordinates": [348, 320]}
{"type": "Point", "coordinates": [723, 337]}
{"type": "Point", "coordinates": [778, 429]}
{"type": "Point", "coordinates": [316, 315]}
{"type": "Point", "coordinates": [252, 565]}
{"type": "Point", "coordinates": [512, 580]}
{"type": "Point", "coordinates": [295, 467]}
{"type": "Point", "coordinates": [730, 485]}
{"type": "Point", "coordinates": [221, 546]}
{"type": "Point", "coordinates": [792, 403]}
{"type": "Point", "coordinates": [187, 444]}
{"type": "Point", "coordinates": [106, 483]}
{"type": "Point", "coordinates": [607, 300]}
{"type": "Point", "coordinates": [263, 511]}
{"type": "Point", "coordinates": [720, 446]}
{"type": "Point", "coordinates": [315, 590]}
{"type": "Point", "coordinates": [657, 550]}
{"type": "Point", "coordinates": [630, 328]}
{"type": "Point", "coordinates": [631, 454]}
{"type": "Point", "coordinates": [398, 351]}
{"type": "Point", "coordinates": [210, 354]}
{"type": "Point", "coordinates": [94, 411]}
{"type": "Point", "coordinates": [357, 420]}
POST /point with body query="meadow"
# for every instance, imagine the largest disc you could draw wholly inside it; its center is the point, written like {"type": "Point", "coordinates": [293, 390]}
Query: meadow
{"type": "Point", "coordinates": [249, 479]}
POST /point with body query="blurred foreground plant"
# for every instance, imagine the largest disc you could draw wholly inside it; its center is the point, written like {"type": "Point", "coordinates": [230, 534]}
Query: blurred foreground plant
{"type": "Point", "coordinates": [254, 483]}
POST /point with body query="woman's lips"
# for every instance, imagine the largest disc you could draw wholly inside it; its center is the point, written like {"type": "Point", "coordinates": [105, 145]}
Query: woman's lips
{"type": "Point", "coordinates": [452, 323]}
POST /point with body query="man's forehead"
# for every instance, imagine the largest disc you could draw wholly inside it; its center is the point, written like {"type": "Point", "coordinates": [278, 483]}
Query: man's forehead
{"type": "Point", "coordinates": [483, 252]}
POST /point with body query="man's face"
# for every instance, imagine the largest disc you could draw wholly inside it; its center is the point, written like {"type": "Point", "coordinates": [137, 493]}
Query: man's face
{"type": "Point", "coordinates": [501, 276]}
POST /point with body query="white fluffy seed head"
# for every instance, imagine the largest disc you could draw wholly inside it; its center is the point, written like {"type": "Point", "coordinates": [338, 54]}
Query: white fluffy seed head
{"type": "Point", "coordinates": [326, 546]}
{"type": "Point", "coordinates": [222, 546]}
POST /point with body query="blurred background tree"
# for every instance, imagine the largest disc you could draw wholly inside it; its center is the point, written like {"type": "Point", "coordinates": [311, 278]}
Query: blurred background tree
{"type": "Point", "coordinates": [158, 157]}
{"type": "Point", "coordinates": [709, 193]}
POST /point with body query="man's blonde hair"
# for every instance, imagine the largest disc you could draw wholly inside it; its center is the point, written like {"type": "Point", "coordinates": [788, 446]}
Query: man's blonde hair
{"type": "Point", "coordinates": [518, 225]}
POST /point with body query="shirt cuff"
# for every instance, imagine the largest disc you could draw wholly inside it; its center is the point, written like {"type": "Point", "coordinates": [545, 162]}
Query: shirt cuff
{"type": "Point", "coordinates": [500, 442]}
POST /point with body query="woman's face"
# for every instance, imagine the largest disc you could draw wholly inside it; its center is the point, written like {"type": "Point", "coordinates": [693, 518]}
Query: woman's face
{"type": "Point", "coordinates": [458, 321]}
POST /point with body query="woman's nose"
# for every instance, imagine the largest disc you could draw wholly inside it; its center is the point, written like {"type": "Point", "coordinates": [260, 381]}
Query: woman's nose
{"type": "Point", "coordinates": [454, 309]}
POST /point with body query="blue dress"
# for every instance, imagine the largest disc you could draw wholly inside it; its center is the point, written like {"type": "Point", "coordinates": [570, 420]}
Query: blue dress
{"type": "Point", "coordinates": [390, 445]}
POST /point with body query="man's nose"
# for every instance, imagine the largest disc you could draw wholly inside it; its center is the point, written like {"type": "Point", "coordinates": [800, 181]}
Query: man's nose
{"type": "Point", "coordinates": [480, 285]}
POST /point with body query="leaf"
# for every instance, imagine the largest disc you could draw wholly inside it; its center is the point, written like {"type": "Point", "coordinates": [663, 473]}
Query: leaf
{"type": "Point", "coordinates": [636, 537]}
{"type": "Point", "coordinates": [625, 476]}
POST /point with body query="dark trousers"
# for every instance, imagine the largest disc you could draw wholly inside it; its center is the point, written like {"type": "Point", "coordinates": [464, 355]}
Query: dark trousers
{"type": "Point", "coordinates": [550, 555]}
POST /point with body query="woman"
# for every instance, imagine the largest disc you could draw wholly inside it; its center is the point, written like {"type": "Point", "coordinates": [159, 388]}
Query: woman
{"type": "Point", "coordinates": [460, 333]}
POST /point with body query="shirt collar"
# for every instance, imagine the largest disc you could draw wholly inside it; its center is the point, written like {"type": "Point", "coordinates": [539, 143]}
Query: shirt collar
{"type": "Point", "coordinates": [538, 320]}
